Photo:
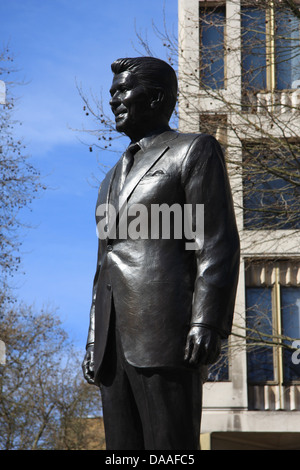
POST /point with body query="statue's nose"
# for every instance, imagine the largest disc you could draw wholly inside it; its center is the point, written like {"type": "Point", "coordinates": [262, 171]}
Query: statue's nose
{"type": "Point", "coordinates": [115, 100]}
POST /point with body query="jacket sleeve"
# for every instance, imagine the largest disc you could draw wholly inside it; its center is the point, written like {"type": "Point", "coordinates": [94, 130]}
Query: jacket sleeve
{"type": "Point", "coordinates": [91, 331]}
{"type": "Point", "coordinates": [217, 248]}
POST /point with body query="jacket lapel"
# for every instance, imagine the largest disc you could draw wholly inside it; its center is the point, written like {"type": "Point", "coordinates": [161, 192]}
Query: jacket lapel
{"type": "Point", "coordinates": [146, 162]}
{"type": "Point", "coordinates": [144, 165]}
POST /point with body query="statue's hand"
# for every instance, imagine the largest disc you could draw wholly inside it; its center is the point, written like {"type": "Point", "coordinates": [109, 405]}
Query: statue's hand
{"type": "Point", "coordinates": [203, 346]}
{"type": "Point", "coordinates": [88, 365]}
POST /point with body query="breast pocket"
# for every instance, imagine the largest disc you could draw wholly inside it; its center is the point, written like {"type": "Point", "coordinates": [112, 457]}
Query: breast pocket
{"type": "Point", "coordinates": [156, 187]}
{"type": "Point", "coordinates": [155, 177]}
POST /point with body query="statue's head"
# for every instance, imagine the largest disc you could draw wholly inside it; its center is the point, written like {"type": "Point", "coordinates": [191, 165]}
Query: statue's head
{"type": "Point", "coordinates": [143, 94]}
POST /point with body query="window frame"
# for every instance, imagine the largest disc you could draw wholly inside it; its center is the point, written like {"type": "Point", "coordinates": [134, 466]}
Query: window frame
{"type": "Point", "coordinates": [270, 44]}
{"type": "Point", "coordinates": [276, 284]}
{"type": "Point", "coordinates": [276, 222]}
{"type": "Point", "coordinates": [212, 5]}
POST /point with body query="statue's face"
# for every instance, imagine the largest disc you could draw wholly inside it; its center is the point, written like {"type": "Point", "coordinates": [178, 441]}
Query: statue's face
{"type": "Point", "coordinates": [131, 105]}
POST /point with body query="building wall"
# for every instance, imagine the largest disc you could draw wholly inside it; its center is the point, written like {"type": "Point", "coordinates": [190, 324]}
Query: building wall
{"type": "Point", "coordinates": [2, 353]}
{"type": "Point", "coordinates": [85, 434]}
{"type": "Point", "coordinates": [226, 404]}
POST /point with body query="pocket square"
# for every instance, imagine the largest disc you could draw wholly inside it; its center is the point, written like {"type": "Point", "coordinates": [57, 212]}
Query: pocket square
{"type": "Point", "coordinates": [157, 173]}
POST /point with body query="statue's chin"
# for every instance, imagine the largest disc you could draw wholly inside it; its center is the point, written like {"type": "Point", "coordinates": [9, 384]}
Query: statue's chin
{"type": "Point", "coordinates": [121, 123]}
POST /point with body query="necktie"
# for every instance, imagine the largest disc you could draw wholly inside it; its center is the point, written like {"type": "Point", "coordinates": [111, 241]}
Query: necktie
{"type": "Point", "coordinates": [127, 162]}
{"type": "Point", "coordinates": [122, 170]}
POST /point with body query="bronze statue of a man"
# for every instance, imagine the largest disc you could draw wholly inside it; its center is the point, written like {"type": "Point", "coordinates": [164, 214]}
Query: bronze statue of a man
{"type": "Point", "coordinates": [160, 308]}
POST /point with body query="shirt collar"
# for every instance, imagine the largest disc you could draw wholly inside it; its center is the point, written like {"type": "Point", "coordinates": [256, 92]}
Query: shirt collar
{"type": "Point", "coordinates": [148, 140]}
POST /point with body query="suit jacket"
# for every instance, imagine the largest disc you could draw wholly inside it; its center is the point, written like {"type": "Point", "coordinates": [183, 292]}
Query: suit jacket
{"type": "Point", "coordinates": [158, 286]}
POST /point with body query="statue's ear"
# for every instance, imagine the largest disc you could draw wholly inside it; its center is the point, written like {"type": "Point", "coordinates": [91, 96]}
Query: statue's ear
{"type": "Point", "coordinates": [157, 98]}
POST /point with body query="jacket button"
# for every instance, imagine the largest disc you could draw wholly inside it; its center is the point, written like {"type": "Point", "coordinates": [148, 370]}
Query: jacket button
{"type": "Point", "coordinates": [108, 286]}
{"type": "Point", "coordinates": [109, 248]}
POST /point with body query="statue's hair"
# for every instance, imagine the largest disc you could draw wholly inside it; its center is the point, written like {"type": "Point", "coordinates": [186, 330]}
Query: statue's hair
{"type": "Point", "coordinates": [152, 73]}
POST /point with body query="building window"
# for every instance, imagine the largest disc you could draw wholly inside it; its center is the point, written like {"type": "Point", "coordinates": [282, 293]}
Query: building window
{"type": "Point", "coordinates": [212, 46]}
{"type": "Point", "coordinates": [287, 50]}
{"type": "Point", "coordinates": [253, 36]}
{"type": "Point", "coordinates": [290, 308]}
{"type": "Point", "coordinates": [273, 321]}
{"type": "Point", "coordinates": [270, 48]}
{"type": "Point", "coordinates": [259, 326]}
{"type": "Point", "coordinates": [271, 190]}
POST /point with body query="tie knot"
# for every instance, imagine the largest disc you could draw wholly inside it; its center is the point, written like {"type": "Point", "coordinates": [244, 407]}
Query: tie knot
{"type": "Point", "coordinates": [133, 148]}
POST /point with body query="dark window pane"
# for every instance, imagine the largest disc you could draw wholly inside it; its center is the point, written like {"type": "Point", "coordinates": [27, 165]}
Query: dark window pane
{"type": "Point", "coordinates": [287, 49]}
{"type": "Point", "coordinates": [259, 323]}
{"type": "Point", "coordinates": [271, 202]}
{"type": "Point", "coordinates": [290, 311]}
{"type": "Point", "coordinates": [212, 27]}
{"type": "Point", "coordinates": [253, 23]}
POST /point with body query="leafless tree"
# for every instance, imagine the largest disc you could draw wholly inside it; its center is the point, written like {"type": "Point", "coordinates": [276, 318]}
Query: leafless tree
{"type": "Point", "coordinates": [43, 397]}
{"type": "Point", "coordinates": [20, 181]}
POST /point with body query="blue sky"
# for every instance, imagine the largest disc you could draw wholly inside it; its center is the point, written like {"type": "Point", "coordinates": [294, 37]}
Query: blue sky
{"type": "Point", "coordinates": [56, 43]}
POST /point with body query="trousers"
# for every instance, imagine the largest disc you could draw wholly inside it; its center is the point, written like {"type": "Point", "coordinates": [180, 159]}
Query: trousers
{"type": "Point", "coordinates": [145, 408]}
